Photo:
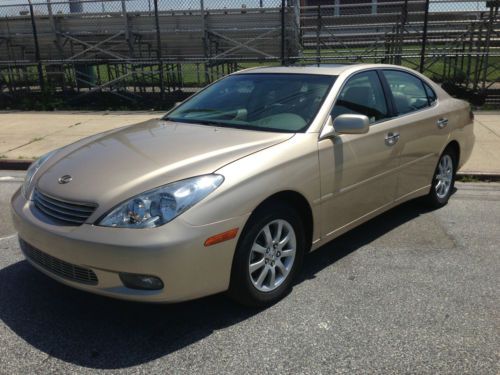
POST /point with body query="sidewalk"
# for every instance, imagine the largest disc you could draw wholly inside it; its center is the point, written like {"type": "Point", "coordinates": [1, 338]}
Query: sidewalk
{"type": "Point", "coordinates": [485, 158]}
{"type": "Point", "coordinates": [27, 135]}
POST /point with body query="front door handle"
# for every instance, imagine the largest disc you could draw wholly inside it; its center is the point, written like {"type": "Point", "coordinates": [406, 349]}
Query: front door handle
{"type": "Point", "coordinates": [442, 122]}
{"type": "Point", "coordinates": [391, 138]}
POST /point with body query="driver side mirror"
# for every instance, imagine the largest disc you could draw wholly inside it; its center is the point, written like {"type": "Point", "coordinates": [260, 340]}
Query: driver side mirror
{"type": "Point", "coordinates": [346, 124]}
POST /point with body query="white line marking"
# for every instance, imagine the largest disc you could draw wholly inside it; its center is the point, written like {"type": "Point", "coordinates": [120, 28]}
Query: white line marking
{"type": "Point", "coordinates": [8, 237]}
{"type": "Point", "coordinates": [10, 178]}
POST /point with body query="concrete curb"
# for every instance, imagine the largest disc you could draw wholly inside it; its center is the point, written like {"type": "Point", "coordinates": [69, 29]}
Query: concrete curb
{"type": "Point", "coordinates": [15, 165]}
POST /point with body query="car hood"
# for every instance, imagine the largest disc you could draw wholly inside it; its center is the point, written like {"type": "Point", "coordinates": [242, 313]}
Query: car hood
{"type": "Point", "coordinates": [111, 167]}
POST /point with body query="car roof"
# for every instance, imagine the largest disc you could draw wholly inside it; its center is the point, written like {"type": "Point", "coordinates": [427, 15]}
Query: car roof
{"type": "Point", "coordinates": [323, 69]}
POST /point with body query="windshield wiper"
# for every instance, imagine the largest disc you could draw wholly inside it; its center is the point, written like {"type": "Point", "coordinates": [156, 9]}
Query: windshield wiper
{"type": "Point", "coordinates": [212, 122]}
{"type": "Point", "coordinates": [194, 110]}
{"type": "Point", "coordinates": [198, 121]}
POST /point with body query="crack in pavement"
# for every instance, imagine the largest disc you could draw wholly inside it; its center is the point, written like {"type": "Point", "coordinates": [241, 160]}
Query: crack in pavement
{"type": "Point", "coordinates": [49, 134]}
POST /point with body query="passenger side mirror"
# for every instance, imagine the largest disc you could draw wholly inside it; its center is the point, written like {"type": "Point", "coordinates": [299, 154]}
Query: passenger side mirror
{"type": "Point", "coordinates": [345, 124]}
{"type": "Point", "coordinates": [351, 124]}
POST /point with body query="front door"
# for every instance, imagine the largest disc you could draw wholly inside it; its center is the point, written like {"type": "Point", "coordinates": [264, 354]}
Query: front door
{"type": "Point", "coordinates": [358, 171]}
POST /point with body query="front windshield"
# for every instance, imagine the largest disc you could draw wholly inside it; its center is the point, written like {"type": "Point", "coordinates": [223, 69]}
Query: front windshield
{"type": "Point", "coordinates": [272, 102]}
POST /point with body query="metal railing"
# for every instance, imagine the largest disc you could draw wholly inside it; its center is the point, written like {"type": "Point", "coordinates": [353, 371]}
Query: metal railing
{"type": "Point", "coordinates": [136, 47]}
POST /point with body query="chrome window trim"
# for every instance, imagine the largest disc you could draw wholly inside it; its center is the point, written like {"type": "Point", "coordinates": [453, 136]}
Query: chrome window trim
{"type": "Point", "coordinates": [388, 118]}
{"type": "Point", "coordinates": [342, 87]}
{"type": "Point", "coordinates": [423, 82]}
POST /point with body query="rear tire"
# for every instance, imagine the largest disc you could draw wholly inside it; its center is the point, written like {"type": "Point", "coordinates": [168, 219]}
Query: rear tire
{"type": "Point", "coordinates": [268, 256]}
{"type": "Point", "coordinates": [443, 181]}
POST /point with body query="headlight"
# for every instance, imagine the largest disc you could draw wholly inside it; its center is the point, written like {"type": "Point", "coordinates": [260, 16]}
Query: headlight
{"type": "Point", "coordinates": [161, 205]}
{"type": "Point", "coordinates": [32, 171]}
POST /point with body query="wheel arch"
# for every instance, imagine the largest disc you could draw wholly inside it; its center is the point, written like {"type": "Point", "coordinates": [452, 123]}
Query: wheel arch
{"type": "Point", "coordinates": [298, 202]}
{"type": "Point", "coordinates": [455, 147]}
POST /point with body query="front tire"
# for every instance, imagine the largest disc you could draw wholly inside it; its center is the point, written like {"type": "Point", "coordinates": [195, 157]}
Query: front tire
{"type": "Point", "coordinates": [268, 256]}
{"type": "Point", "coordinates": [443, 180]}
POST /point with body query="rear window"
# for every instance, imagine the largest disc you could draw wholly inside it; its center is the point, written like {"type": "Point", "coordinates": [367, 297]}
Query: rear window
{"type": "Point", "coordinates": [407, 90]}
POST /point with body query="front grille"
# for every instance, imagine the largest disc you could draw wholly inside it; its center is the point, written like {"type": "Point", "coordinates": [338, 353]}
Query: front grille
{"type": "Point", "coordinates": [67, 212]}
{"type": "Point", "coordinates": [59, 267]}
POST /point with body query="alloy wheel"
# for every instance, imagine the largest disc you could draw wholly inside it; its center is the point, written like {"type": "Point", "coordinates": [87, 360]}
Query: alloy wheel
{"type": "Point", "coordinates": [444, 176]}
{"type": "Point", "coordinates": [272, 255]}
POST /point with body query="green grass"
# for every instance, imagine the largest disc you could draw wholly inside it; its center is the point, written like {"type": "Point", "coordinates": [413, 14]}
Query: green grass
{"type": "Point", "coordinates": [467, 178]}
{"type": "Point", "coordinates": [477, 178]}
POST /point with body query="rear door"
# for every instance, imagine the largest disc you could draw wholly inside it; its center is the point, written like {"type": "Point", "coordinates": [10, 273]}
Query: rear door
{"type": "Point", "coordinates": [422, 130]}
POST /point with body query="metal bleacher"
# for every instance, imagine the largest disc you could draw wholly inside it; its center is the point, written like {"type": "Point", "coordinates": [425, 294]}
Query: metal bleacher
{"type": "Point", "coordinates": [452, 40]}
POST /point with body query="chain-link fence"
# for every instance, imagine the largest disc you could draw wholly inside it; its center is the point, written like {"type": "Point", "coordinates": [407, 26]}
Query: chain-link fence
{"type": "Point", "coordinates": [135, 47]}
{"type": "Point", "coordinates": [454, 42]}
{"type": "Point", "coordinates": [131, 47]}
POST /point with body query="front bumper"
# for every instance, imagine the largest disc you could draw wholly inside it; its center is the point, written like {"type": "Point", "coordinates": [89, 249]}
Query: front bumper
{"type": "Point", "coordinates": [174, 252]}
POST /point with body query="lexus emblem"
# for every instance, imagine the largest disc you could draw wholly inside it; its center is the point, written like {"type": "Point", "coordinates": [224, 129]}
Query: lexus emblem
{"type": "Point", "coordinates": [65, 179]}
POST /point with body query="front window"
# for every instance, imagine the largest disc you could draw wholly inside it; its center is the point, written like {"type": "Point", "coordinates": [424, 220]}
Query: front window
{"type": "Point", "coordinates": [271, 102]}
{"type": "Point", "coordinates": [362, 95]}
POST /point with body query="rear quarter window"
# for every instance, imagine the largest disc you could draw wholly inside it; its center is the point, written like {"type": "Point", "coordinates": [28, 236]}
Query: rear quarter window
{"type": "Point", "coordinates": [431, 95]}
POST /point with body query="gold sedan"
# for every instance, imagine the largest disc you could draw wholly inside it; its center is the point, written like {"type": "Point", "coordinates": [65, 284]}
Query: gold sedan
{"type": "Point", "coordinates": [232, 188]}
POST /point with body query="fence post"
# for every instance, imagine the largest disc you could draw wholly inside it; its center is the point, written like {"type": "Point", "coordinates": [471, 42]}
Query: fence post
{"type": "Point", "coordinates": [400, 32]}
{"type": "Point", "coordinates": [54, 29]}
{"type": "Point", "coordinates": [318, 36]}
{"type": "Point", "coordinates": [37, 48]}
{"type": "Point", "coordinates": [204, 40]}
{"type": "Point", "coordinates": [158, 47]}
{"type": "Point", "coordinates": [486, 51]}
{"type": "Point", "coordinates": [424, 37]}
{"type": "Point", "coordinates": [283, 30]}
{"type": "Point", "coordinates": [128, 33]}
{"type": "Point", "coordinates": [60, 67]}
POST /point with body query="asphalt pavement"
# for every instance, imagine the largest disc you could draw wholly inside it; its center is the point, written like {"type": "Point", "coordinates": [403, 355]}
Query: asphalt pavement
{"type": "Point", "coordinates": [413, 291]}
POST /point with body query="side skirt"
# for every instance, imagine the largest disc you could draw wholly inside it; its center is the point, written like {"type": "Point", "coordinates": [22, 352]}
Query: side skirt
{"type": "Point", "coordinates": [337, 232]}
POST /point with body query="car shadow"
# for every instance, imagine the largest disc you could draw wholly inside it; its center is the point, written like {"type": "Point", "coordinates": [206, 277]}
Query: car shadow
{"type": "Point", "coordinates": [96, 332]}
{"type": "Point", "coordinates": [361, 236]}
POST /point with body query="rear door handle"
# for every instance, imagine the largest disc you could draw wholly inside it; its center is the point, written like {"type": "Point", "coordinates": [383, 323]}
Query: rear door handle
{"type": "Point", "coordinates": [391, 138]}
{"type": "Point", "coordinates": [442, 122]}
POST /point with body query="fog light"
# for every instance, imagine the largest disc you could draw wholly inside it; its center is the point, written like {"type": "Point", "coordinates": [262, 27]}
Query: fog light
{"type": "Point", "coordinates": [142, 282]}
